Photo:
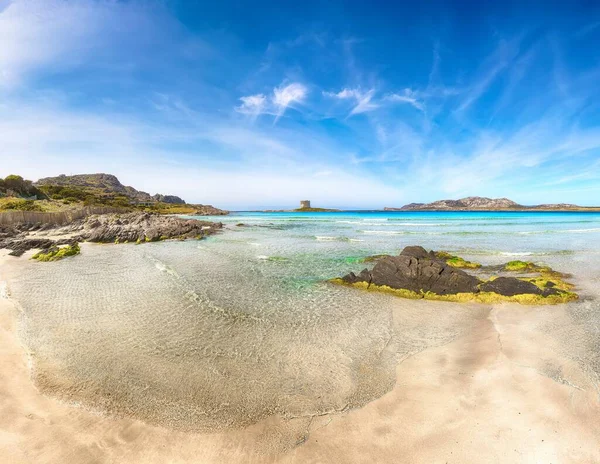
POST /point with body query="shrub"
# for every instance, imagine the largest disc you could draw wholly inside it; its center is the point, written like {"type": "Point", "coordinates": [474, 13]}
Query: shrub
{"type": "Point", "coordinates": [22, 205]}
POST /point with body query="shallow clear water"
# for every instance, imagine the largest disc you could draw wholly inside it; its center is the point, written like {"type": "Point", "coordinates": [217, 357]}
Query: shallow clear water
{"type": "Point", "coordinates": [222, 332]}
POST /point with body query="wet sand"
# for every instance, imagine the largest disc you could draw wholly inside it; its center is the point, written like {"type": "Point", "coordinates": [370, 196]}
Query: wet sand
{"type": "Point", "coordinates": [507, 388]}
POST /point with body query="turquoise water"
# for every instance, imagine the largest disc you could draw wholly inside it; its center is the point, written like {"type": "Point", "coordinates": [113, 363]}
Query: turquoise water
{"type": "Point", "coordinates": [475, 233]}
{"type": "Point", "coordinates": [225, 331]}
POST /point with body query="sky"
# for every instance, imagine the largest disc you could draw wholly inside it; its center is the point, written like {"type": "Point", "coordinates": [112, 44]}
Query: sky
{"type": "Point", "coordinates": [252, 104]}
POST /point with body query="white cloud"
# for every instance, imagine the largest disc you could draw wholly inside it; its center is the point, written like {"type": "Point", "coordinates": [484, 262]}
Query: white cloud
{"type": "Point", "coordinates": [252, 105]}
{"type": "Point", "coordinates": [408, 96]}
{"type": "Point", "coordinates": [344, 93]}
{"type": "Point", "coordinates": [284, 96]}
{"type": "Point", "coordinates": [363, 99]}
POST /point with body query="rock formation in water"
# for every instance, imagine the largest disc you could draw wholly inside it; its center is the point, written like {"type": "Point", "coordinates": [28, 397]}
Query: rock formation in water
{"type": "Point", "coordinates": [415, 269]}
{"type": "Point", "coordinates": [419, 273]}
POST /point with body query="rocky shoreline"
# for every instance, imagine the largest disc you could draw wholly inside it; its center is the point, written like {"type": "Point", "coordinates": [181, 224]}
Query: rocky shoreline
{"type": "Point", "coordinates": [135, 227]}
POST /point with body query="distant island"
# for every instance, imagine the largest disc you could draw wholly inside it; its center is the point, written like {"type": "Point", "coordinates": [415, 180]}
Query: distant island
{"type": "Point", "coordinates": [64, 193]}
{"type": "Point", "coordinates": [305, 207]}
{"type": "Point", "coordinates": [488, 204]}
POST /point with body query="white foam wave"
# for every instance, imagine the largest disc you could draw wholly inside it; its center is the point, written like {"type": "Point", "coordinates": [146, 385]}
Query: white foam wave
{"type": "Point", "coordinates": [596, 229]}
{"type": "Point", "coordinates": [329, 238]}
{"type": "Point", "coordinates": [384, 232]}
{"type": "Point", "coordinates": [559, 231]}
{"type": "Point", "coordinates": [394, 224]}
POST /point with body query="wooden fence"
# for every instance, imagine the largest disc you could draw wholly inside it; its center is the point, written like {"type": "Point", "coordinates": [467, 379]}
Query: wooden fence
{"type": "Point", "coordinates": [10, 218]}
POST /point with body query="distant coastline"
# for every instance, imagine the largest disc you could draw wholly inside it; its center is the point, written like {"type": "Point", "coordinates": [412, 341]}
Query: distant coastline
{"type": "Point", "coordinates": [483, 204]}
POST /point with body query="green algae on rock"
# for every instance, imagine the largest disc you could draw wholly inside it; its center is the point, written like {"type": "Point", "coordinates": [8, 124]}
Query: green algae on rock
{"type": "Point", "coordinates": [456, 261]}
{"type": "Point", "coordinates": [465, 297]}
{"type": "Point", "coordinates": [524, 266]}
{"type": "Point", "coordinates": [55, 253]}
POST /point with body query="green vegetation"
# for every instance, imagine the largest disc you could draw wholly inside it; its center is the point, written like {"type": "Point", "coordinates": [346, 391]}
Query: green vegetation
{"type": "Point", "coordinates": [89, 196]}
{"type": "Point", "coordinates": [66, 193]}
{"type": "Point", "coordinates": [456, 261]}
{"type": "Point", "coordinates": [481, 297]}
{"type": "Point", "coordinates": [18, 204]}
{"type": "Point", "coordinates": [171, 208]}
{"type": "Point", "coordinates": [55, 254]}
{"type": "Point", "coordinates": [16, 186]}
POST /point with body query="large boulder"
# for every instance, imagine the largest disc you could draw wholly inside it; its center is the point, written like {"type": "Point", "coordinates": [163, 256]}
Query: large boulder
{"type": "Point", "coordinates": [417, 270]}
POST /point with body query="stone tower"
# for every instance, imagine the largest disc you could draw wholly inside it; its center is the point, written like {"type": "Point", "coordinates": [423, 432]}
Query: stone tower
{"type": "Point", "coordinates": [304, 204]}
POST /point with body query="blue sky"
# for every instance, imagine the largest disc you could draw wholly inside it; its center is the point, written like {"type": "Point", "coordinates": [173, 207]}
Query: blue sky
{"type": "Point", "coordinates": [350, 104]}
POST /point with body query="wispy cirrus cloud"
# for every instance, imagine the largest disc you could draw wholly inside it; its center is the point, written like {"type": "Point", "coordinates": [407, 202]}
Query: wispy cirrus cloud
{"type": "Point", "coordinates": [407, 96]}
{"type": "Point", "coordinates": [283, 97]}
{"type": "Point", "coordinates": [362, 100]}
{"type": "Point", "coordinates": [366, 101]}
{"type": "Point", "coordinates": [286, 95]}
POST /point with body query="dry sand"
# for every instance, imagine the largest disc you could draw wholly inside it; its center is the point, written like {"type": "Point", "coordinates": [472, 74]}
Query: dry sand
{"type": "Point", "coordinates": [502, 393]}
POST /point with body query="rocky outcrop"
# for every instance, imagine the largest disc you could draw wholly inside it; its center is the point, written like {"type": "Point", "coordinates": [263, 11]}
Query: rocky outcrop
{"type": "Point", "coordinates": [18, 246]}
{"type": "Point", "coordinates": [209, 210]}
{"type": "Point", "coordinates": [106, 184]}
{"type": "Point", "coordinates": [425, 274]}
{"type": "Point", "coordinates": [417, 270]}
{"type": "Point", "coordinates": [142, 227]}
{"type": "Point", "coordinates": [106, 228]}
{"type": "Point", "coordinates": [172, 199]}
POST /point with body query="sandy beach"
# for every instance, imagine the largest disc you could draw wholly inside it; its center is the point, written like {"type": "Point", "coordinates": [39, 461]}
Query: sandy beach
{"type": "Point", "coordinates": [503, 390]}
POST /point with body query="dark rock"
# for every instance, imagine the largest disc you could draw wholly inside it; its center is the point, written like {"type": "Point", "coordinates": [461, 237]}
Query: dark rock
{"type": "Point", "coordinates": [511, 286]}
{"type": "Point", "coordinates": [20, 246]}
{"type": "Point", "coordinates": [416, 252]}
{"type": "Point", "coordinates": [417, 270]}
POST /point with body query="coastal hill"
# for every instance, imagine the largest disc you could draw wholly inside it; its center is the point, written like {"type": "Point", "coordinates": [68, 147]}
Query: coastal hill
{"type": "Point", "coordinates": [486, 204]}
{"type": "Point", "coordinates": [63, 193]}
{"type": "Point", "coordinates": [107, 185]}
